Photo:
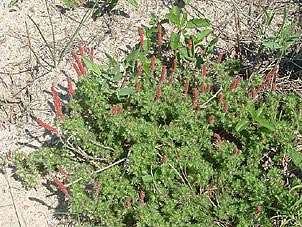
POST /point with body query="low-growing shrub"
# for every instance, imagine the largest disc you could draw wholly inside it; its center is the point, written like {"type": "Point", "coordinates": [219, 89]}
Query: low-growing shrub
{"type": "Point", "coordinates": [174, 138]}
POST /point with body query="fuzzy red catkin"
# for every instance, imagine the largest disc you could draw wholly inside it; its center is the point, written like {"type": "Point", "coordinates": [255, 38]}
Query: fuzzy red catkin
{"type": "Point", "coordinates": [174, 65]}
{"type": "Point", "coordinates": [208, 89]}
{"type": "Point", "coordinates": [79, 63]}
{"type": "Point", "coordinates": [236, 151]}
{"type": "Point", "coordinates": [71, 91]}
{"type": "Point", "coordinates": [190, 44]}
{"type": "Point", "coordinates": [152, 64]}
{"type": "Point", "coordinates": [138, 86]}
{"type": "Point", "coordinates": [91, 54]}
{"type": "Point", "coordinates": [158, 93]}
{"type": "Point", "coordinates": [163, 73]}
{"type": "Point", "coordinates": [164, 159]}
{"type": "Point", "coordinates": [128, 202]}
{"type": "Point", "coordinates": [254, 93]}
{"type": "Point", "coordinates": [46, 126]}
{"type": "Point", "coordinates": [273, 87]}
{"type": "Point", "coordinates": [226, 106]}
{"type": "Point", "coordinates": [139, 70]}
{"type": "Point", "coordinates": [202, 88]}
{"type": "Point", "coordinates": [66, 175]}
{"type": "Point", "coordinates": [98, 187]}
{"type": "Point", "coordinates": [159, 34]}
{"type": "Point", "coordinates": [272, 73]}
{"type": "Point", "coordinates": [218, 137]}
{"type": "Point", "coordinates": [236, 56]}
{"type": "Point", "coordinates": [219, 58]}
{"type": "Point", "coordinates": [220, 98]}
{"type": "Point", "coordinates": [141, 36]}
{"type": "Point", "coordinates": [81, 49]}
{"type": "Point", "coordinates": [197, 108]}
{"type": "Point", "coordinates": [57, 102]}
{"type": "Point", "coordinates": [187, 87]}
{"type": "Point", "coordinates": [141, 197]}
{"type": "Point", "coordinates": [61, 186]}
{"type": "Point", "coordinates": [195, 96]}
{"type": "Point", "coordinates": [204, 70]}
{"type": "Point", "coordinates": [75, 66]}
{"type": "Point", "coordinates": [211, 119]}
{"type": "Point", "coordinates": [9, 155]}
{"type": "Point", "coordinates": [114, 109]}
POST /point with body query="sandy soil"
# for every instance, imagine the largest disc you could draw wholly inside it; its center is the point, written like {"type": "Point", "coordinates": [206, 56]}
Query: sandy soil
{"type": "Point", "coordinates": [26, 78]}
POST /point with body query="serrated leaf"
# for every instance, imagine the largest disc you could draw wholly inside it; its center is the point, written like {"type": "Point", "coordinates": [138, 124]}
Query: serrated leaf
{"type": "Point", "coordinates": [126, 91]}
{"type": "Point", "coordinates": [174, 40]}
{"type": "Point", "coordinates": [242, 124]}
{"type": "Point", "coordinates": [92, 66]}
{"type": "Point", "coordinates": [198, 23]}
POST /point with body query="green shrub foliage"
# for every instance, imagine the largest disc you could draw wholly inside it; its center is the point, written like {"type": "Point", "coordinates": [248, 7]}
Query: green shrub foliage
{"type": "Point", "coordinates": [169, 137]}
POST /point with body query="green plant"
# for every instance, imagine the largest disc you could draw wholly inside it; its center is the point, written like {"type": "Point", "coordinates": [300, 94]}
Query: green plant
{"type": "Point", "coordinates": [171, 153]}
{"type": "Point", "coordinates": [281, 39]}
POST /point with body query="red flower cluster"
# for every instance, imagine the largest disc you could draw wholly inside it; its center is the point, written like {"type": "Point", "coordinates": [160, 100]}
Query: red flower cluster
{"type": "Point", "coordinates": [204, 70]}
{"type": "Point", "coordinates": [158, 93]}
{"type": "Point", "coordinates": [159, 34]}
{"type": "Point", "coordinates": [218, 137]}
{"type": "Point", "coordinates": [235, 84]}
{"type": "Point", "coordinates": [152, 64]}
{"type": "Point", "coordinates": [57, 102]}
{"type": "Point", "coordinates": [61, 186]}
{"type": "Point", "coordinates": [141, 36]}
{"type": "Point", "coordinates": [141, 197]}
{"type": "Point", "coordinates": [71, 91]}
{"type": "Point", "coordinates": [187, 87]}
{"type": "Point", "coordinates": [163, 73]}
{"type": "Point", "coordinates": [117, 110]}
{"type": "Point", "coordinates": [195, 96]}
{"type": "Point", "coordinates": [46, 126]}
{"type": "Point", "coordinates": [66, 175]}
{"type": "Point", "coordinates": [138, 86]}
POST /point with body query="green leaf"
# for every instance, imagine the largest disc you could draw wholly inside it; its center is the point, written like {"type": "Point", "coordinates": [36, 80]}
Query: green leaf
{"type": "Point", "coordinates": [184, 19]}
{"type": "Point", "coordinates": [242, 124]}
{"type": "Point", "coordinates": [183, 51]}
{"type": "Point", "coordinates": [126, 91]}
{"type": "Point", "coordinates": [259, 112]}
{"type": "Point", "coordinates": [264, 123]}
{"type": "Point", "coordinates": [174, 40]}
{"type": "Point", "coordinates": [112, 61]}
{"type": "Point", "coordinates": [92, 66]}
{"type": "Point", "coordinates": [147, 179]}
{"type": "Point", "coordinates": [186, 1]}
{"type": "Point", "coordinates": [211, 45]}
{"type": "Point", "coordinates": [198, 22]}
{"type": "Point", "coordinates": [201, 35]}
{"type": "Point", "coordinates": [296, 157]}
{"type": "Point", "coordinates": [133, 2]}
{"type": "Point", "coordinates": [173, 18]}
{"type": "Point", "coordinates": [176, 11]}
{"type": "Point", "coordinates": [251, 108]}
{"type": "Point", "coordinates": [117, 77]}
{"type": "Point", "coordinates": [271, 43]}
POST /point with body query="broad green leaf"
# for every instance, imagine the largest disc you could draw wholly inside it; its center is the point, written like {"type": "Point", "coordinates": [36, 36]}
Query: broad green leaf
{"type": "Point", "coordinates": [259, 112]}
{"type": "Point", "coordinates": [92, 66]}
{"type": "Point", "coordinates": [117, 77]}
{"type": "Point", "coordinates": [183, 51]}
{"type": "Point", "coordinates": [201, 35]}
{"type": "Point", "coordinates": [296, 156]}
{"type": "Point", "coordinates": [112, 61]}
{"type": "Point", "coordinates": [242, 124]}
{"type": "Point", "coordinates": [251, 108]}
{"type": "Point", "coordinates": [198, 22]}
{"type": "Point", "coordinates": [173, 18]}
{"type": "Point", "coordinates": [264, 123]}
{"type": "Point", "coordinates": [133, 2]}
{"type": "Point", "coordinates": [271, 43]}
{"type": "Point", "coordinates": [126, 91]}
{"type": "Point", "coordinates": [186, 1]}
{"type": "Point", "coordinates": [147, 179]}
{"type": "Point", "coordinates": [184, 18]}
{"type": "Point", "coordinates": [176, 11]}
{"type": "Point", "coordinates": [211, 45]}
{"type": "Point", "coordinates": [174, 40]}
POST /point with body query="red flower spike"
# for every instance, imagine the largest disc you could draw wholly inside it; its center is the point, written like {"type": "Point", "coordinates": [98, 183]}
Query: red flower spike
{"type": "Point", "coordinates": [208, 89]}
{"type": "Point", "coordinates": [66, 175]}
{"type": "Point", "coordinates": [79, 63]}
{"type": "Point", "coordinates": [71, 91]}
{"type": "Point", "coordinates": [138, 86]}
{"type": "Point", "coordinates": [75, 66]}
{"type": "Point", "coordinates": [119, 110]}
{"type": "Point", "coordinates": [258, 210]}
{"type": "Point", "coordinates": [195, 96]}
{"type": "Point", "coordinates": [204, 70]}
{"type": "Point", "coordinates": [273, 87]}
{"type": "Point", "coordinates": [159, 34]}
{"type": "Point", "coordinates": [164, 159]}
{"type": "Point", "coordinates": [187, 87]}
{"type": "Point", "coordinates": [254, 93]}
{"type": "Point", "coordinates": [270, 75]}
{"type": "Point", "coordinates": [98, 187]}
{"type": "Point", "coordinates": [141, 197]}
{"type": "Point", "coordinates": [190, 44]}
{"type": "Point", "coordinates": [233, 85]}
{"type": "Point", "coordinates": [202, 88]}
{"type": "Point", "coordinates": [226, 106]}
{"type": "Point", "coordinates": [9, 155]}
{"type": "Point", "coordinates": [174, 65]}
{"type": "Point", "coordinates": [128, 202]}
{"type": "Point", "coordinates": [220, 98]}
{"type": "Point", "coordinates": [218, 137]}
{"type": "Point", "coordinates": [158, 93]}
{"type": "Point", "coordinates": [81, 49]}
{"type": "Point", "coordinates": [152, 64]}
{"type": "Point", "coordinates": [46, 126]}
{"type": "Point", "coordinates": [197, 108]}
{"type": "Point", "coordinates": [139, 70]}
{"type": "Point", "coordinates": [114, 109]}
{"type": "Point", "coordinates": [211, 119]}
{"type": "Point", "coordinates": [91, 54]}
{"type": "Point", "coordinates": [57, 102]}
{"type": "Point", "coordinates": [171, 125]}
{"type": "Point", "coordinates": [61, 186]}
{"type": "Point", "coordinates": [141, 36]}
{"type": "Point", "coordinates": [219, 58]}
{"type": "Point", "coordinates": [163, 73]}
